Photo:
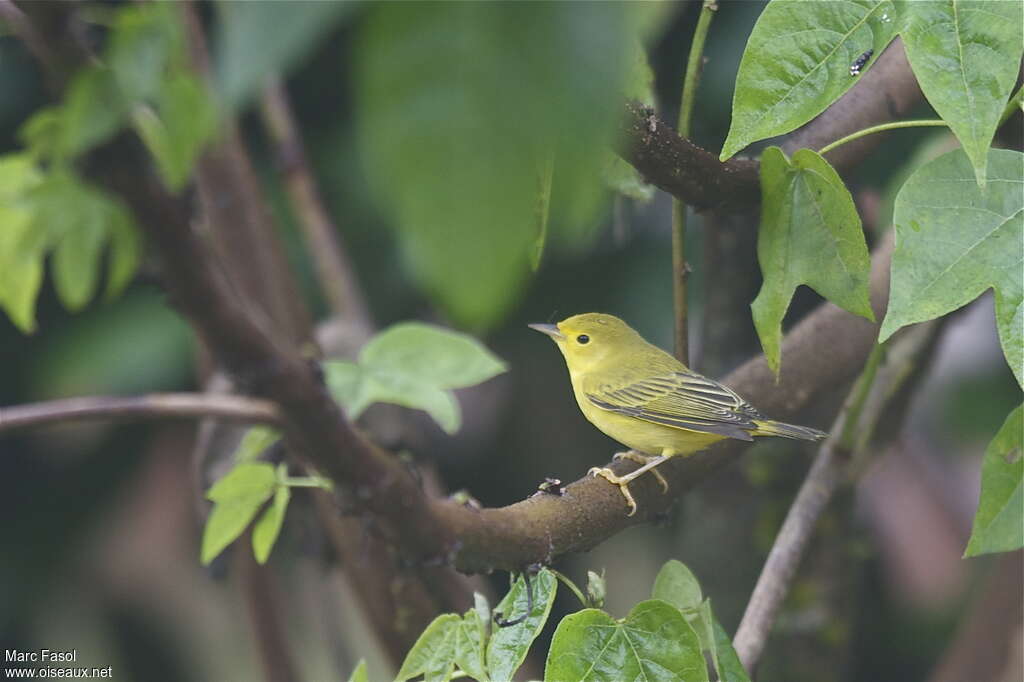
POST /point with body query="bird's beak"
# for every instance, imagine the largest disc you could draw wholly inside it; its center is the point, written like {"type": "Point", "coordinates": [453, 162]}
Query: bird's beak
{"type": "Point", "coordinates": [549, 329]}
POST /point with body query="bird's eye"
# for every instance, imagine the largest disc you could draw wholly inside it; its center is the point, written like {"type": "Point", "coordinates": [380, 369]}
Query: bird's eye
{"type": "Point", "coordinates": [582, 339]}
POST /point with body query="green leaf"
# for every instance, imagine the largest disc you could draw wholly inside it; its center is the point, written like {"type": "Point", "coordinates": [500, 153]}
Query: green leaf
{"type": "Point", "coordinates": [356, 388]}
{"type": "Point", "coordinates": [507, 648]}
{"type": "Point", "coordinates": [703, 623]}
{"type": "Point", "coordinates": [797, 62]}
{"type": "Point", "coordinates": [176, 131]}
{"type": "Point", "coordinates": [93, 110]}
{"type": "Point", "coordinates": [999, 522]}
{"type": "Point", "coordinates": [413, 365]}
{"type": "Point", "coordinates": [955, 240]}
{"type": "Point", "coordinates": [677, 585]}
{"type": "Point", "coordinates": [124, 253]}
{"type": "Point", "coordinates": [470, 641]}
{"type": "Point", "coordinates": [459, 105]}
{"type": "Point", "coordinates": [268, 527]}
{"type": "Point", "coordinates": [256, 39]}
{"type": "Point", "coordinates": [810, 234]}
{"type": "Point", "coordinates": [730, 669]}
{"type": "Point", "coordinates": [425, 353]}
{"type": "Point", "coordinates": [344, 381]}
{"type": "Point", "coordinates": [255, 441]}
{"type": "Point", "coordinates": [618, 175]}
{"type": "Point", "coordinates": [78, 220]}
{"type": "Point", "coordinates": [545, 174]}
{"type": "Point", "coordinates": [76, 263]}
{"type": "Point", "coordinates": [966, 56]}
{"type": "Point", "coordinates": [238, 497]}
{"type": "Point", "coordinates": [654, 642]}
{"type": "Point", "coordinates": [42, 132]}
{"type": "Point", "coordinates": [389, 387]}
{"type": "Point", "coordinates": [146, 42]}
{"type": "Point", "coordinates": [251, 482]}
{"type": "Point", "coordinates": [21, 268]}
{"type": "Point", "coordinates": [360, 674]}
{"type": "Point", "coordinates": [433, 654]}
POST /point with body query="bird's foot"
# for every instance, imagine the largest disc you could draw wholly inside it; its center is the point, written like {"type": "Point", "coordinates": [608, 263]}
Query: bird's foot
{"type": "Point", "coordinates": [621, 481]}
{"type": "Point", "coordinates": [641, 458]}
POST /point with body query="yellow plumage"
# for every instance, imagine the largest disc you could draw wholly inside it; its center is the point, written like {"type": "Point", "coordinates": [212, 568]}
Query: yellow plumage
{"type": "Point", "coordinates": [647, 400]}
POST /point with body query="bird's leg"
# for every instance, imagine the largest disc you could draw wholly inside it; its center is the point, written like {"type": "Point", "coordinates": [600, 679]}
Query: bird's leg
{"type": "Point", "coordinates": [641, 458]}
{"type": "Point", "coordinates": [623, 481]}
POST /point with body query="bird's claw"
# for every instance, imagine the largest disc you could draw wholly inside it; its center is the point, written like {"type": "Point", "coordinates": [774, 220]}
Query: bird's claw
{"type": "Point", "coordinates": [610, 476]}
{"type": "Point", "coordinates": [640, 458]}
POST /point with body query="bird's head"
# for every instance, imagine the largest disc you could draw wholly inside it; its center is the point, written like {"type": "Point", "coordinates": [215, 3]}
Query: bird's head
{"type": "Point", "coordinates": [588, 339]}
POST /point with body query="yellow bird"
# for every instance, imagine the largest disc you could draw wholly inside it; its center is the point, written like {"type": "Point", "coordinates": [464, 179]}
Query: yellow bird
{"type": "Point", "coordinates": [650, 402]}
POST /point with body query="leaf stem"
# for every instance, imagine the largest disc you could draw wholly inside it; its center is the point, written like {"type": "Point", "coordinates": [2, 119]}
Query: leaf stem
{"type": "Point", "coordinates": [680, 270]}
{"type": "Point", "coordinates": [855, 406]}
{"type": "Point", "coordinates": [307, 482]}
{"type": "Point", "coordinates": [1015, 102]}
{"type": "Point", "coordinates": [565, 580]}
{"type": "Point", "coordinates": [881, 127]}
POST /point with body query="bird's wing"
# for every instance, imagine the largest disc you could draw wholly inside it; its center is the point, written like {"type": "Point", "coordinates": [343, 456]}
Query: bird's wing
{"type": "Point", "coordinates": [684, 400]}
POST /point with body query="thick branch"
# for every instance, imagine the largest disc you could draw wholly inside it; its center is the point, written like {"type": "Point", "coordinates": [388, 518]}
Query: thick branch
{"type": "Point", "coordinates": [676, 165]}
{"type": "Point", "coordinates": [270, 368]}
{"type": "Point", "coordinates": [153, 406]}
{"type": "Point", "coordinates": [683, 169]}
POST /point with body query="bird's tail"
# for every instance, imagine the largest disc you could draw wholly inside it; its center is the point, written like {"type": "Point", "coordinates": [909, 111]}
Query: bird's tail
{"type": "Point", "coordinates": [770, 428]}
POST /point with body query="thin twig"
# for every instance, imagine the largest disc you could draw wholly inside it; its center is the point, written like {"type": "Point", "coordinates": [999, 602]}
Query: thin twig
{"type": "Point", "coordinates": [680, 268]}
{"type": "Point", "coordinates": [831, 467]}
{"type": "Point", "coordinates": [151, 406]}
{"type": "Point", "coordinates": [323, 242]}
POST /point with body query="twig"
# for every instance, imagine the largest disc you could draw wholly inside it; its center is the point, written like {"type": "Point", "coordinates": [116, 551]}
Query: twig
{"type": "Point", "coordinates": [680, 268]}
{"type": "Point", "coordinates": [831, 467]}
{"type": "Point", "coordinates": [152, 406]}
{"type": "Point", "coordinates": [323, 242]}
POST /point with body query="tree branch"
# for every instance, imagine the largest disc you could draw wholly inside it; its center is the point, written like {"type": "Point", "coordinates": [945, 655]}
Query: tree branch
{"type": "Point", "coordinates": [836, 460]}
{"type": "Point", "coordinates": [152, 406]}
{"type": "Point", "coordinates": [824, 349]}
{"type": "Point", "coordinates": [681, 168]}
{"type": "Point", "coordinates": [692, 175]}
{"type": "Point", "coordinates": [323, 241]}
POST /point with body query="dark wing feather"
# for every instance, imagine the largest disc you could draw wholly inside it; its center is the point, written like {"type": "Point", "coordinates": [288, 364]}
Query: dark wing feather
{"type": "Point", "coordinates": [683, 400]}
